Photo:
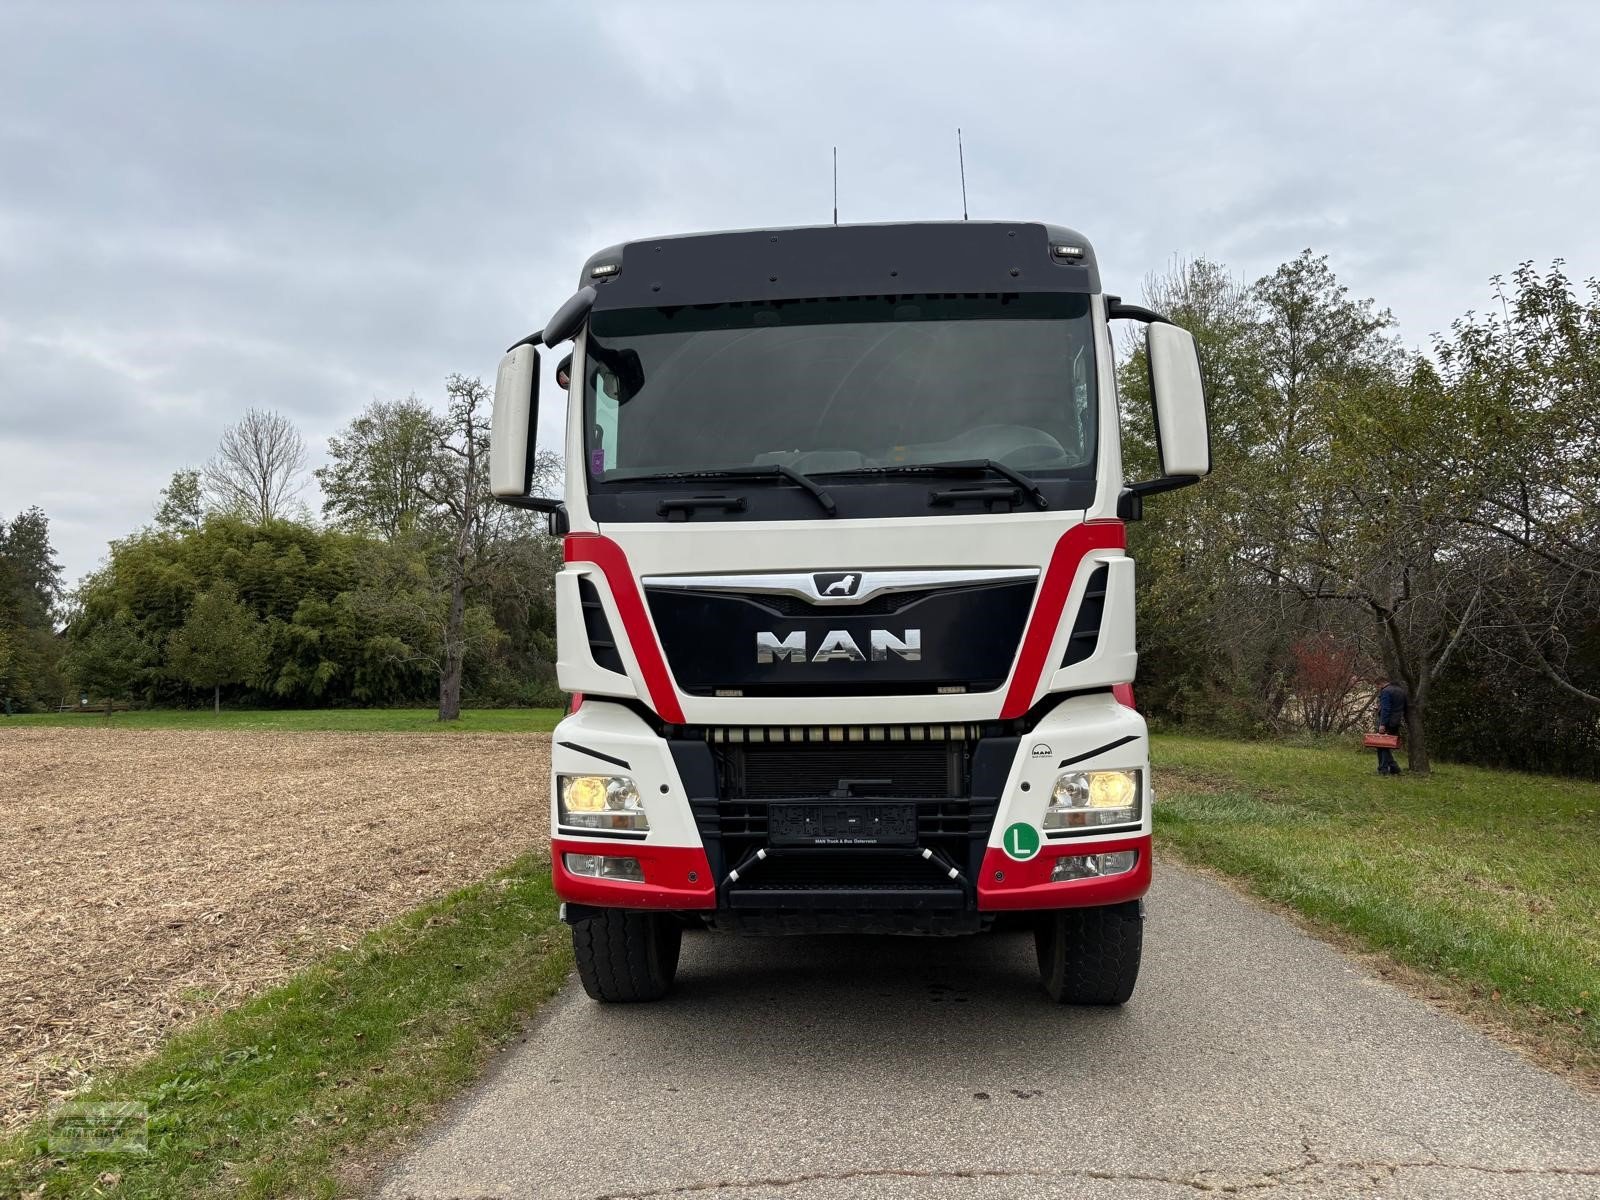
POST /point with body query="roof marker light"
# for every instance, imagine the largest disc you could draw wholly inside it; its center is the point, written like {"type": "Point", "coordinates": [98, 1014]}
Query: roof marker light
{"type": "Point", "coordinates": [1061, 251]}
{"type": "Point", "coordinates": [605, 270]}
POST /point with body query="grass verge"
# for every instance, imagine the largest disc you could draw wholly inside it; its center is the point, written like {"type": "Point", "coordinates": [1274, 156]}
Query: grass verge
{"type": "Point", "coordinates": [311, 720]}
{"type": "Point", "coordinates": [278, 1097]}
{"type": "Point", "coordinates": [1483, 880]}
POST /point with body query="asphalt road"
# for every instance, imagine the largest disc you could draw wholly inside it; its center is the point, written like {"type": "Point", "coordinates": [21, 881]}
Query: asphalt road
{"type": "Point", "coordinates": [1252, 1058]}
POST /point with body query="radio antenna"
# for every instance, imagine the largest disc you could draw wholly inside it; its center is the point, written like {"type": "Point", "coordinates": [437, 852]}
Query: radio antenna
{"type": "Point", "coordinates": [961, 158]}
{"type": "Point", "coordinates": [836, 185]}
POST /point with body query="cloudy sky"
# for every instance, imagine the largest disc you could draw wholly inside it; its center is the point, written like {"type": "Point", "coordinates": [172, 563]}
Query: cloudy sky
{"type": "Point", "coordinates": [208, 208]}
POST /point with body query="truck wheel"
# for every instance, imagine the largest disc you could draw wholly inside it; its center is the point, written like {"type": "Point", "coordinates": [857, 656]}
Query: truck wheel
{"type": "Point", "coordinates": [1090, 955]}
{"type": "Point", "coordinates": [624, 956]}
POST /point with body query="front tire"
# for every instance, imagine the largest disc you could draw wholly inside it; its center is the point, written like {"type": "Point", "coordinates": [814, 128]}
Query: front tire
{"type": "Point", "coordinates": [626, 956]}
{"type": "Point", "coordinates": [1090, 955]}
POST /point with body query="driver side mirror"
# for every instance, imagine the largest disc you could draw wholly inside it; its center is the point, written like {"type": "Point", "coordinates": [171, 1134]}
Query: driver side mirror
{"type": "Point", "coordinates": [1177, 391]}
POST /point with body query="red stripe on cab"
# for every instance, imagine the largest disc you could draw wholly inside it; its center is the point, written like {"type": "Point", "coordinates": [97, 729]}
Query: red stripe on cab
{"type": "Point", "coordinates": [641, 634]}
{"type": "Point", "coordinates": [1069, 554]}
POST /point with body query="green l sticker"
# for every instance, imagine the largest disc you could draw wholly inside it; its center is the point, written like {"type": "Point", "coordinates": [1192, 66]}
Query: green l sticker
{"type": "Point", "coordinates": [1021, 841]}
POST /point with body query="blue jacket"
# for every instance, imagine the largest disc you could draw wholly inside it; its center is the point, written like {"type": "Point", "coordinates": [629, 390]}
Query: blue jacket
{"type": "Point", "coordinates": [1392, 705]}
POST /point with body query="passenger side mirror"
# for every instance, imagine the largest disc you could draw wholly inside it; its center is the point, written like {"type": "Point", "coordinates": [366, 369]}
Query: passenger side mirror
{"type": "Point", "coordinates": [1177, 391]}
{"type": "Point", "coordinates": [1180, 398]}
{"type": "Point", "coordinates": [511, 436]}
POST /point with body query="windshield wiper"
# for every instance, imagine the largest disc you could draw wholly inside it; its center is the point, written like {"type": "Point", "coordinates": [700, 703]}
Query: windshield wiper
{"type": "Point", "coordinates": [756, 471]}
{"type": "Point", "coordinates": [972, 465]}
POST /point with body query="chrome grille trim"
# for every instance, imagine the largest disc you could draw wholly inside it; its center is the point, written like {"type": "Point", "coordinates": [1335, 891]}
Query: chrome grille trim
{"type": "Point", "coordinates": [873, 583]}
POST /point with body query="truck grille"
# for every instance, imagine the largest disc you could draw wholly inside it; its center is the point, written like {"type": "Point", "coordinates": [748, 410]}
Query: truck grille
{"type": "Point", "coordinates": [937, 820]}
{"type": "Point", "coordinates": [905, 769]}
{"type": "Point", "coordinates": [967, 638]}
{"type": "Point", "coordinates": [934, 777]}
{"type": "Point", "coordinates": [823, 824]}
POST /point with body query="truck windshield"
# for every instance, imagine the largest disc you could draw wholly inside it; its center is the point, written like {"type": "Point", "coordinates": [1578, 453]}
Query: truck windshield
{"type": "Point", "coordinates": [840, 385]}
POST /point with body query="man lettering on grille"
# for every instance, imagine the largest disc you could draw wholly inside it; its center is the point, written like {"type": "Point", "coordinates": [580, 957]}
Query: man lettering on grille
{"type": "Point", "coordinates": [1391, 715]}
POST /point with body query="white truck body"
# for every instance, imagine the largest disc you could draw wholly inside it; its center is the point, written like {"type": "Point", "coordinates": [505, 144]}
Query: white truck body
{"type": "Point", "coordinates": [896, 703]}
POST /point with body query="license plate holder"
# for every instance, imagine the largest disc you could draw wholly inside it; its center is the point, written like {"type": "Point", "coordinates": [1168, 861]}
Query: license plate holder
{"type": "Point", "coordinates": [842, 824]}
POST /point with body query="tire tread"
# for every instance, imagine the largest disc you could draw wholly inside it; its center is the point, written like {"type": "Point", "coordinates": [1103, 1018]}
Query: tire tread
{"type": "Point", "coordinates": [626, 957]}
{"type": "Point", "coordinates": [1091, 955]}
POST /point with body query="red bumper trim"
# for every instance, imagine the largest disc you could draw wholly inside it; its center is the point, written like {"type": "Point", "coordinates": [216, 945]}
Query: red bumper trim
{"type": "Point", "coordinates": [1027, 884]}
{"type": "Point", "coordinates": [666, 876]}
{"type": "Point", "coordinates": [1069, 553]}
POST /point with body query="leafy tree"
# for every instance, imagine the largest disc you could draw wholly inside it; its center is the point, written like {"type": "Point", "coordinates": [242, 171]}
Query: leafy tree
{"type": "Point", "coordinates": [320, 647]}
{"type": "Point", "coordinates": [30, 588]}
{"type": "Point", "coordinates": [1321, 514]}
{"type": "Point", "coordinates": [1373, 528]}
{"type": "Point", "coordinates": [476, 529]}
{"type": "Point", "coordinates": [220, 643]}
{"type": "Point", "coordinates": [1525, 385]}
{"type": "Point", "coordinates": [110, 659]}
{"type": "Point", "coordinates": [258, 469]}
{"type": "Point", "coordinates": [182, 505]}
{"type": "Point", "coordinates": [1213, 639]}
{"type": "Point", "coordinates": [377, 466]}
{"type": "Point", "coordinates": [33, 574]}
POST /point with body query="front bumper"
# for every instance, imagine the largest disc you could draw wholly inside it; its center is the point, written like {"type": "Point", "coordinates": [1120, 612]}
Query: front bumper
{"type": "Point", "coordinates": [709, 816]}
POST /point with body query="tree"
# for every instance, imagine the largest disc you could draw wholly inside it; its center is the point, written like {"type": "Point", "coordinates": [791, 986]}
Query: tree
{"type": "Point", "coordinates": [477, 530]}
{"type": "Point", "coordinates": [1439, 520]}
{"type": "Point", "coordinates": [182, 506]}
{"type": "Point", "coordinates": [1375, 528]}
{"type": "Point", "coordinates": [322, 646]}
{"type": "Point", "coordinates": [220, 643]}
{"type": "Point", "coordinates": [30, 589]}
{"type": "Point", "coordinates": [377, 466]}
{"type": "Point", "coordinates": [1525, 385]}
{"type": "Point", "coordinates": [34, 574]}
{"type": "Point", "coordinates": [1214, 637]}
{"type": "Point", "coordinates": [257, 470]}
{"type": "Point", "coordinates": [110, 659]}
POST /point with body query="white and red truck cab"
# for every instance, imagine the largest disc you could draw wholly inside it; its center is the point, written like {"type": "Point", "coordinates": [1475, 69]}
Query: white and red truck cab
{"type": "Point", "coordinates": [845, 594]}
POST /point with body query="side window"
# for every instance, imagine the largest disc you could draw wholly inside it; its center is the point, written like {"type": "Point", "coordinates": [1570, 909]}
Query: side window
{"type": "Point", "coordinates": [603, 445]}
{"type": "Point", "coordinates": [1082, 414]}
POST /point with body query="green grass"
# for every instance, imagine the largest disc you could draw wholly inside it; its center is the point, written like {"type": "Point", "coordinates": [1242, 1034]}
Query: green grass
{"type": "Point", "coordinates": [1485, 879]}
{"type": "Point", "coordinates": [271, 1099]}
{"type": "Point", "coordinates": [337, 720]}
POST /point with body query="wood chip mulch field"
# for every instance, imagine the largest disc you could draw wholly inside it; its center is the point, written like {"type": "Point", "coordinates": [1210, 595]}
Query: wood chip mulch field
{"type": "Point", "coordinates": [148, 877]}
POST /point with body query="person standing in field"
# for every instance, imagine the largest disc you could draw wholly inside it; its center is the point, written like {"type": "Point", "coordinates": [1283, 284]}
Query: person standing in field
{"type": "Point", "coordinates": [1392, 702]}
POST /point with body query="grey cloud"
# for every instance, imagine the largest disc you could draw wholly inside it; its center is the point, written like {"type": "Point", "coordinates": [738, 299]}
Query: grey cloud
{"type": "Point", "coordinates": [205, 207]}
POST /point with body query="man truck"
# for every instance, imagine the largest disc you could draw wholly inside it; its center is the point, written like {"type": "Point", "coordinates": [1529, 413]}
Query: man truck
{"type": "Point", "coordinates": [846, 612]}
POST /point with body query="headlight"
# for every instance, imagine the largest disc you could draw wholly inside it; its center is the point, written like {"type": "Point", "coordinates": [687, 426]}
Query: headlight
{"type": "Point", "coordinates": [1086, 799]}
{"type": "Point", "coordinates": [600, 802]}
